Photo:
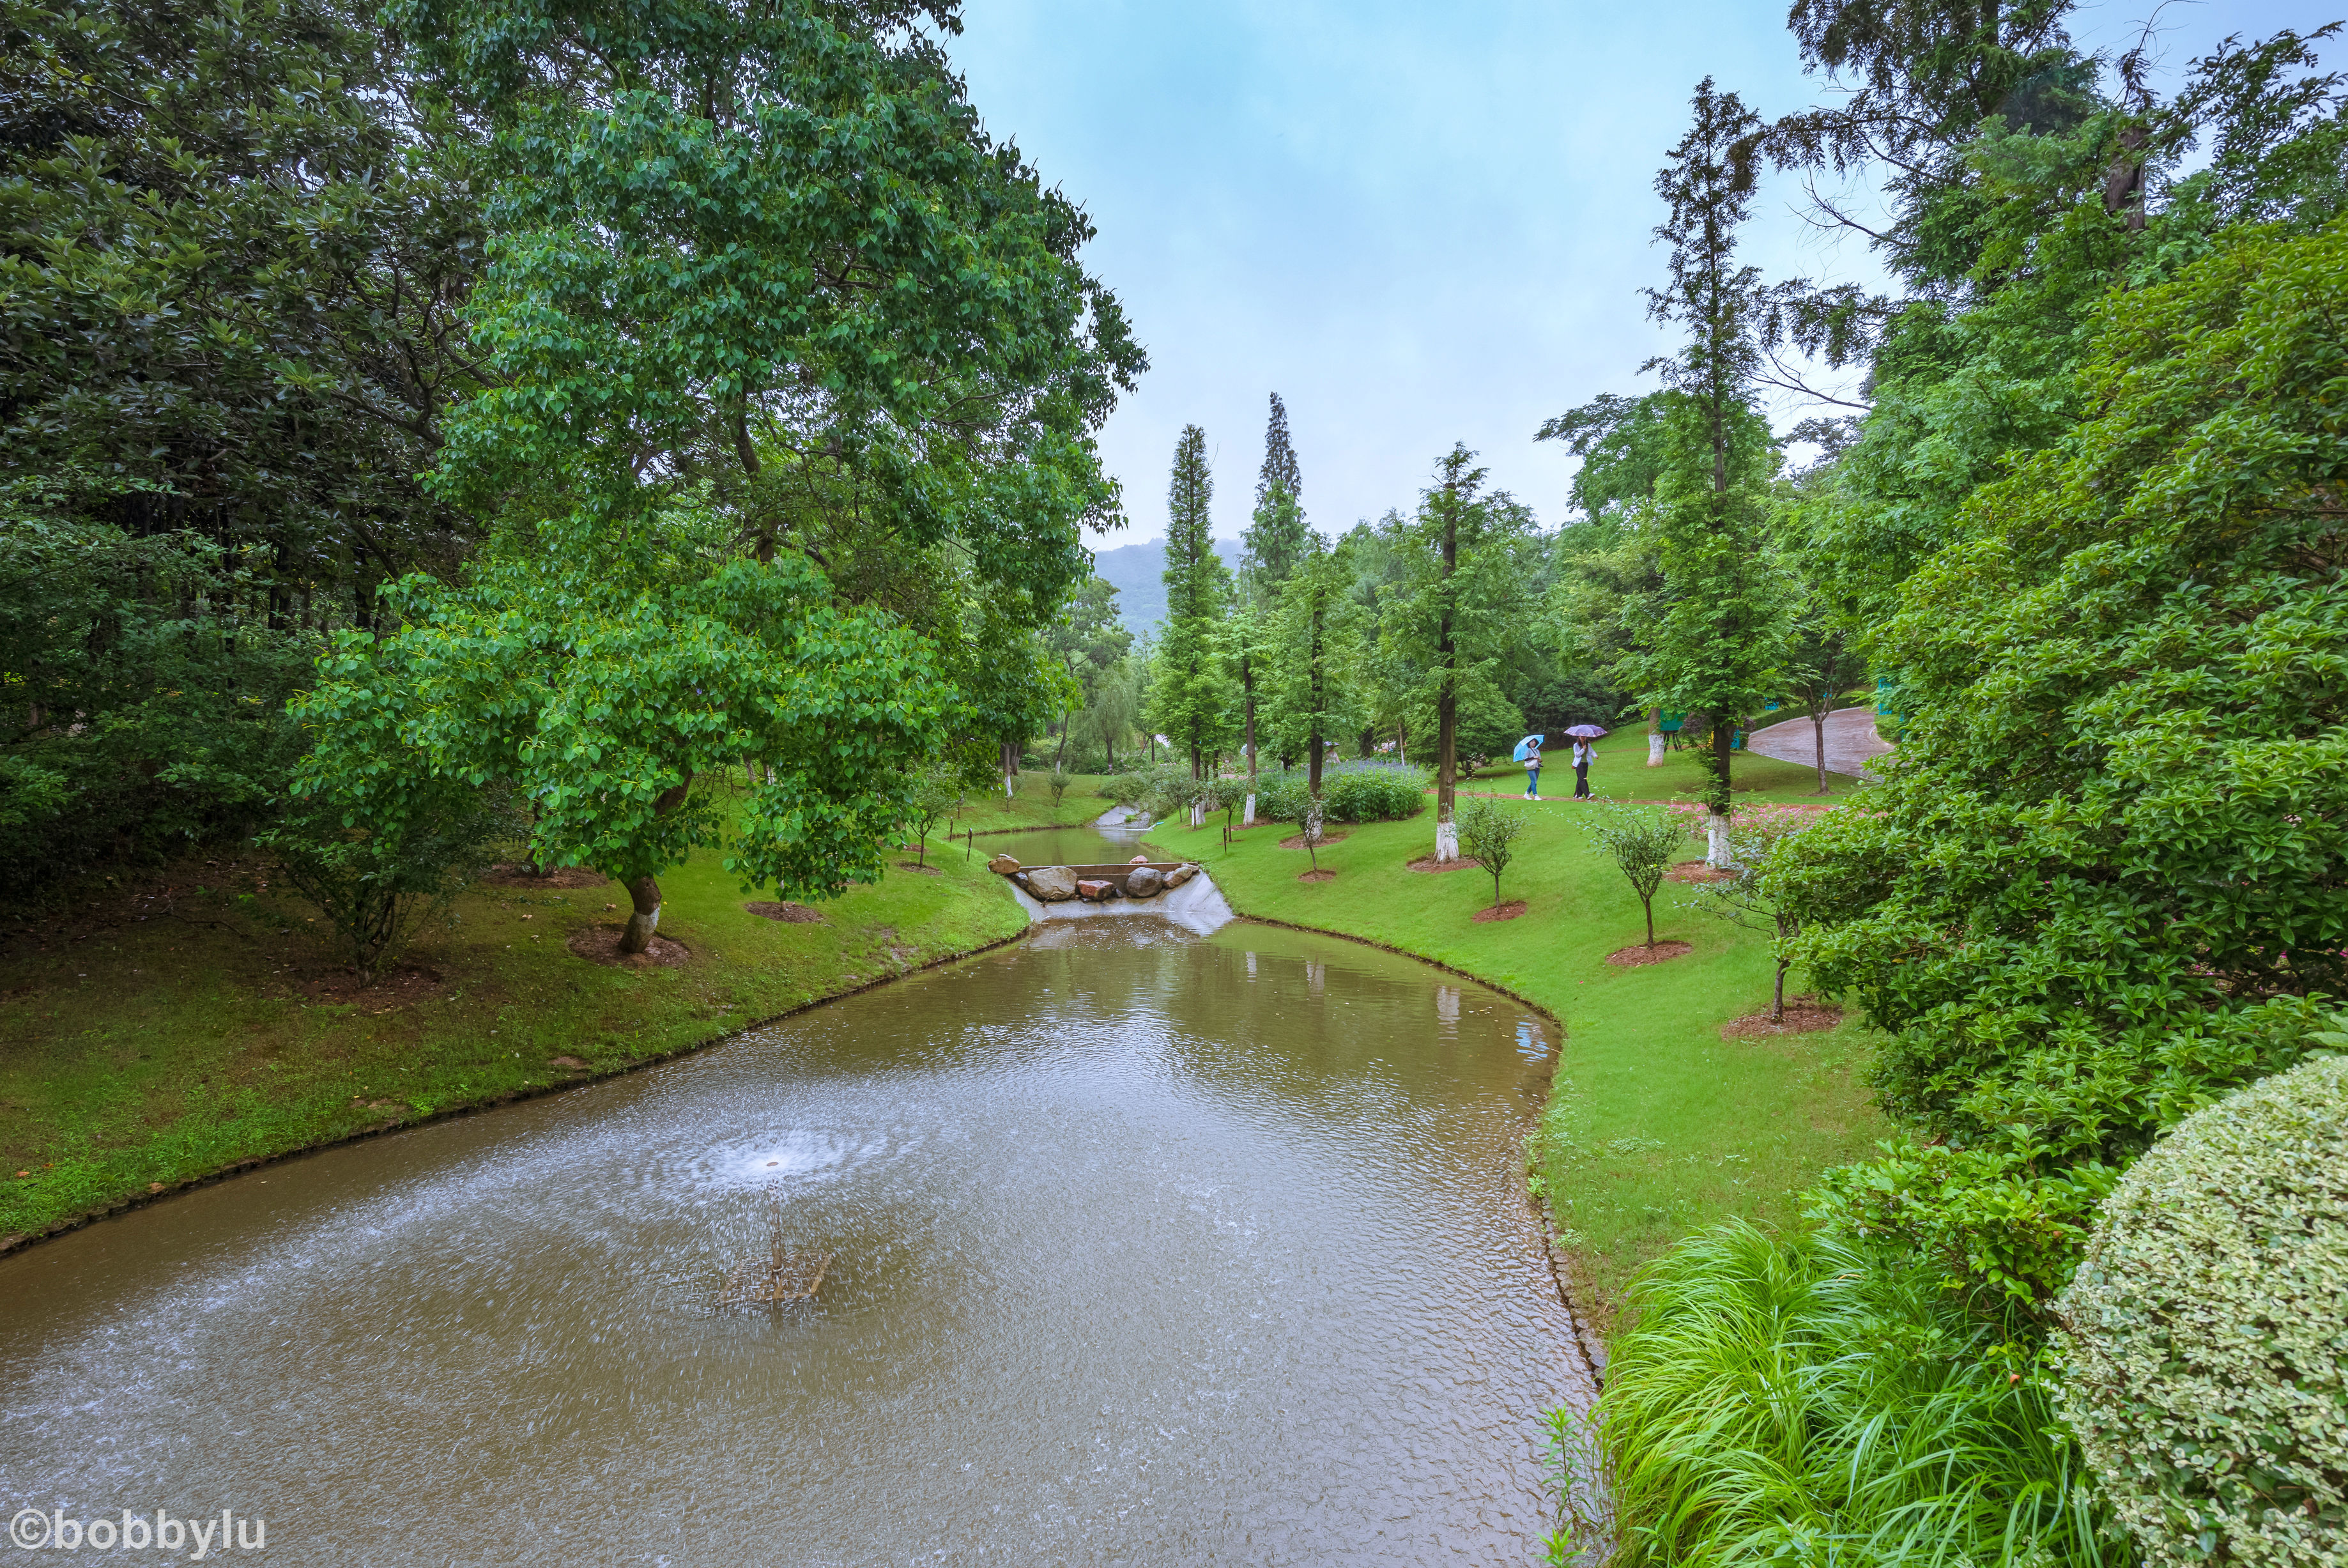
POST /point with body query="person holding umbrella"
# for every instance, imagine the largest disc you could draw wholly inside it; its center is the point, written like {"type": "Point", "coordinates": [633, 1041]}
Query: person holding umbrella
{"type": "Point", "coordinates": [1583, 752]}
{"type": "Point", "coordinates": [1528, 752]}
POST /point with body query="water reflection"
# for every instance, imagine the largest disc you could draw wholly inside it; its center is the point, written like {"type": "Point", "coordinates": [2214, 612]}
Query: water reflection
{"type": "Point", "coordinates": [1149, 1249]}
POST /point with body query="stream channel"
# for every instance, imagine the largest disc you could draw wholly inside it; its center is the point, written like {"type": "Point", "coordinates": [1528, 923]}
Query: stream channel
{"type": "Point", "coordinates": [1149, 1247]}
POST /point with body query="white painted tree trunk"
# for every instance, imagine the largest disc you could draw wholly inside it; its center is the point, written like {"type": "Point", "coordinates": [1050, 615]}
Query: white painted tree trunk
{"type": "Point", "coordinates": [1716, 840]}
{"type": "Point", "coordinates": [1198, 813]}
{"type": "Point", "coordinates": [643, 915]}
{"type": "Point", "coordinates": [1447, 842]}
{"type": "Point", "coordinates": [1655, 748]}
{"type": "Point", "coordinates": [1247, 812]}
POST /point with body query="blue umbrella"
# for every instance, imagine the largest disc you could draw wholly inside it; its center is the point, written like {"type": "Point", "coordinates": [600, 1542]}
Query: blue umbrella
{"type": "Point", "coordinates": [1524, 747]}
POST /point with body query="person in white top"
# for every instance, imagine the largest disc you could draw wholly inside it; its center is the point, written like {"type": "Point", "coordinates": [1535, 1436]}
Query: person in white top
{"type": "Point", "coordinates": [1582, 753]}
{"type": "Point", "coordinates": [1532, 769]}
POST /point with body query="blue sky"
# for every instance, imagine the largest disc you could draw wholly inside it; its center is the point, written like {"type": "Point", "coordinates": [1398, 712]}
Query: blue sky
{"type": "Point", "coordinates": [1418, 223]}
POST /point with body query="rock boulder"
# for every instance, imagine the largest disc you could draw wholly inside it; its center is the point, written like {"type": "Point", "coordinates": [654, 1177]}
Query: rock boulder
{"type": "Point", "coordinates": [1179, 875]}
{"type": "Point", "coordinates": [1052, 883]}
{"type": "Point", "coordinates": [1093, 891]}
{"type": "Point", "coordinates": [1144, 881]}
{"type": "Point", "coordinates": [1002, 865]}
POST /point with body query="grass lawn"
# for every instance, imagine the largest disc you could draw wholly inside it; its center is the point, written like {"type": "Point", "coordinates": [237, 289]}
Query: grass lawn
{"type": "Point", "coordinates": [987, 812]}
{"type": "Point", "coordinates": [1621, 770]}
{"type": "Point", "coordinates": [138, 1054]}
{"type": "Point", "coordinates": [1656, 1124]}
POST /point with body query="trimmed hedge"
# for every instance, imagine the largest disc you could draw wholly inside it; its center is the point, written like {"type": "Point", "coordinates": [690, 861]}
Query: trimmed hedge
{"type": "Point", "coordinates": [2207, 1330]}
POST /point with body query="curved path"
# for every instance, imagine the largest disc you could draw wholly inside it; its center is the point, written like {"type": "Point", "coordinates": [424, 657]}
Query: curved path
{"type": "Point", "coordinates": [1851, 742]}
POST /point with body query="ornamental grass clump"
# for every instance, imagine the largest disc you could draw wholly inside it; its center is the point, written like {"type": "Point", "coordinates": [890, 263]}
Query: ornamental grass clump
{"type": "Point", "coordinates": [1808, 1400]}
{"type": "Point", "coordinates": [2206, 1332]}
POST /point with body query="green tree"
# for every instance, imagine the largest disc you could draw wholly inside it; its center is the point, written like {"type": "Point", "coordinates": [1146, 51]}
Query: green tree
{"type": "Point", "coordinates": [1315, 639]}
{"type": "Point", "coordinates": [1278, 536]}
{"type": "Point", "coordinates": [841, 312]}
{"type": "Point", "coordinates": [1458, 603]}
{"type": "Point", "coordinates": [1247, 653]}
{"type": "Point", "coordinates": [1187, 700]}
{"type": "Point", "coordinates": [2100, 886]}
{"type": "Point", "coordinates": [1488, 833]}
{"type": "Point", "coordinates": [1718, 643]}
{"type": "Point", "coordinates": [1640, 840]}
{"type": "Point", "coordinates": [1089, 642]}
{"type": "Point", "coordinates": [604, 683]}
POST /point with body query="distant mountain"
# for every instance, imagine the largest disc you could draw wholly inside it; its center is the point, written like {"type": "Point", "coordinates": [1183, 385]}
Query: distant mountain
{"type": "Point", "coordinates": [1138, 572]}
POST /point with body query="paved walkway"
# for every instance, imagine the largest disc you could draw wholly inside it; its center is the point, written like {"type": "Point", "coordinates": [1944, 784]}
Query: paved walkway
{"type": "Point", "coordinates": [1851, 742]}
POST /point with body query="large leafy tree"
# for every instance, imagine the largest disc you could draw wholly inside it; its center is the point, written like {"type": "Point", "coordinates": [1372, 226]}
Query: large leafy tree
{"type": "Point", "coordinates": [761, 281]}
{"type": "Point", "coordinates": [231, 255]}
{"type": "Point", "coordinates": [1188, 702]}
{"type": "Point", "coordinates": [1717, 643]}
{"type": "Point", "coordinates": [1089, 642]}
{"type": "Point", "coordinates": [2103, 883]}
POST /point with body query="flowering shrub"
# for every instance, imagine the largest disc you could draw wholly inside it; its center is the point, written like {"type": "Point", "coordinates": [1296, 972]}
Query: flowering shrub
{"type": "Point", "coordinates": [2208, 1328]}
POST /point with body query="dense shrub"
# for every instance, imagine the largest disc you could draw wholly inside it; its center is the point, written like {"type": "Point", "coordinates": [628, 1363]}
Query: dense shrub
{"type": "Point", "coordinates": [1368, 792]}
{"type": "Point", "coordinates": [1810, 1401]}
{"type": "Point", "coordinates": [2102, 879]}
{"type": "Point", "coordinates": [2207, 1329]}
{"type": "Point", "coordinates": [1373, 794]}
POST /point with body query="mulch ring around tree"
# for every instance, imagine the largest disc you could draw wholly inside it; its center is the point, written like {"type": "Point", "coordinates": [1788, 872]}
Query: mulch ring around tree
{"type": "Point", "coordinates": [1697, 871]}
{"type": "Point", "coordinates": [1632, 957]}
{"type": "Point", "coordinates": [1296, 841]}
{"type": "Point", "coordinates": [601, 944]}
{"type": "Point", "coordinates": [918, 866]}
{"type": "Point", "coordinates": [786, 911]}
{"type": "Point", "coordinates": [1509, 911]}
{"type": "Point", "coordinates": [1804, 1014]}
{"type": "Point", "coordinates": [401, 987]}
{"type": "Point", "coordinates": [1324, 874]}
{"type": "Point", "coordinates": [1430, 864]}
{"type": "Point", "coordinates": [553, 877]}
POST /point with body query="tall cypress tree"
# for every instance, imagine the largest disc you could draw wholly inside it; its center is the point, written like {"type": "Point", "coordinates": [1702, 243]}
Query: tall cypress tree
{"type": "Point", "coordinates": [1278, 537]}
{"type": "Point", "coordinates": [1717, 649]}
{"type": "Point", "coordinates": [1187, 698]}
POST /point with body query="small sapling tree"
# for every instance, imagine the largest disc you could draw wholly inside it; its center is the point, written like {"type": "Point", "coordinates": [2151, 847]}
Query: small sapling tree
{"type": "Point", "coordinates": [1058, 785]}
{"type": "Point", "coordinates": [1753, 896]}
{"type": "Point", "coordinates": [1487, 835]}
{"type": "Point", "coordinates": [1642, 840]}
{"type": "Point", "coordinates": [1311, 823]}
{"type": "Point", "coordinates": [934, 798]}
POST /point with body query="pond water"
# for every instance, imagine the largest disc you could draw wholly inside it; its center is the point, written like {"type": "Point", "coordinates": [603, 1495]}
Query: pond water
{"type": "Point", "coordinates": [1147, 1248]}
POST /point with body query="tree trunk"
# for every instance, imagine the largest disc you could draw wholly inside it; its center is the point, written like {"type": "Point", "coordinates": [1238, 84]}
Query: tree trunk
{"type": "Point", "coordinates": [1313, 765]}
{"type": "Point", "coordinates": [1247, 682]}
{"type": "Point", "coordinates": [1818, 724]}
{"type": "Point", "coordinates": [1717, 853]}
{"type": "Point", "coordinates": [643, 918]}
{"type": "Point", "coordinates": [1010, 770]}
{"type": "Point", "coordinates": [1648, 901]}
{"type": "Point", "coordinates": [1655, 738]}
{"type": "Point", "coordinates": [1447, 696]}
{"type": "Point", "coordinates": [1777, 1006]}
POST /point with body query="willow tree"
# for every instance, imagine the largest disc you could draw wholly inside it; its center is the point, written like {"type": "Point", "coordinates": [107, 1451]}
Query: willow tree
{"type": "Point", "coordinates": [839, 309]}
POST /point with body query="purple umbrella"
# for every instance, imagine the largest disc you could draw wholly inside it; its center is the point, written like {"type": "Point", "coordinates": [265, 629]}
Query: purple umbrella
{"type": "Point", "coordinates": [1585, 732]}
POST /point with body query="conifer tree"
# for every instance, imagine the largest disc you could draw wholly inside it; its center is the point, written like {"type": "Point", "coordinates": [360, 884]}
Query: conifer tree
{"type": "Point", "coordinates": [1278, 536]}
{"type": "Point", "coordinates": [1716, 649]}
{"type": "Point", "coordinates": [1187, 700]}
{"type": "Point", "coordinates": [1316, 643]}
{"type": "Point", "coordinates": [1465, 582]}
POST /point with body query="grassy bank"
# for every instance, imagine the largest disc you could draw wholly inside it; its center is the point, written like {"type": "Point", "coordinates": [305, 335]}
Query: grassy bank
{"type": "Point", "coordinates": [159, 1034]}
{"type": "Point", "coordinates": [1657, 1123]}
{"type": "Point", "coordinates": [1621, 770]}
{"type": "Point", "coordinates": [987, 812]}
